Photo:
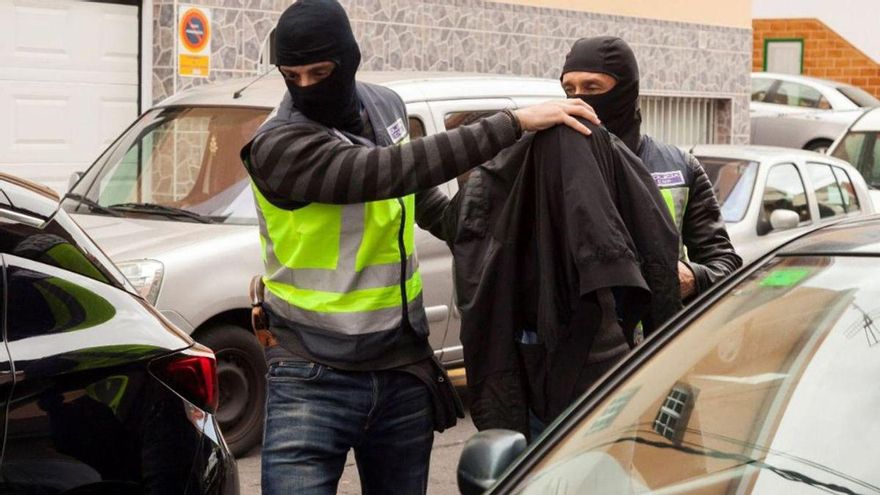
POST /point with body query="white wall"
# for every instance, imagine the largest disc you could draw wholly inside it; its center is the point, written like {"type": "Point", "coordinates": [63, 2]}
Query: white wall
{"type": "Point", "coordinates": [855, 20]}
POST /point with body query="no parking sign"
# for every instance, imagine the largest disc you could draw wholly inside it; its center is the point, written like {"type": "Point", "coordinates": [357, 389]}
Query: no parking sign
{"type": "Point", "coordinates": [193, 41]}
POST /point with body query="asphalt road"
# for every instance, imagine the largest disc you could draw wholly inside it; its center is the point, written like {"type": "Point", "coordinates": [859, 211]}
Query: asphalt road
{"type": "Point", "coordinates": [444, 461]}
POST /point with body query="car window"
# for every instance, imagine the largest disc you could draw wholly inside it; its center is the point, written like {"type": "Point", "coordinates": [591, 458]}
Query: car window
{"type": "Point", "coordinates": [796, 95]}
{"type": "Point", "coordinates": [760, 88]}
{"type": "Point", "coordinates": [847, 190]}
{"type": "Point", "coordinates": [784, 190]}
{"type": "Point", "coordinates": [733, 182]}
{"type": "Point", "coordinates": [859, 96]}
{"type": "Point", "coordinates": [870, 165]}
{"type": "Point", "coordinates": [59, 242]}
{"type": "Point", "coordinates": [770, 391]}
{"type": "Point", "coordinates": [850, 148]}
{"type": "Point", "coordinates": [829, 197]}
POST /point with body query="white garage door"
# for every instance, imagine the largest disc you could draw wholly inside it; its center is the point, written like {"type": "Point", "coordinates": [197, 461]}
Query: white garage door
{"type": "Point", "coordinates": [68, 84]}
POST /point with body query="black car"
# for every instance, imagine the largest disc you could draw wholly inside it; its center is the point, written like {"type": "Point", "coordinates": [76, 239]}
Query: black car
{"type": "Point", "coordinates": [99, 394]}
{"type": "Point", "coordinates": [766, 385]}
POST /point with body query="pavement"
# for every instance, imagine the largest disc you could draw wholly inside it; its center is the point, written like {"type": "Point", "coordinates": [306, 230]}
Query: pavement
{"type": "Point", "coordinates": [444, 462]}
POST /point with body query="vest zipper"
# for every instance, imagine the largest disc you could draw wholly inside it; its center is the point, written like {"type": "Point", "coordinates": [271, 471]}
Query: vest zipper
{"type": "Point", "coordinates": [402, 247]}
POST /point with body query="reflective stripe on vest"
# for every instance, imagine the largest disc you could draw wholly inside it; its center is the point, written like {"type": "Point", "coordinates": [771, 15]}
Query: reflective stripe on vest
{"type": "Point", "coordinates": [338, 267]}
{"type": "Point", "coordinates": [676, 199]}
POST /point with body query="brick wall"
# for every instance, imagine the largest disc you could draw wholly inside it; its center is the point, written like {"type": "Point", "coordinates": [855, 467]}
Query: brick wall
{"type": "Point", "coordinates": [826, 53]}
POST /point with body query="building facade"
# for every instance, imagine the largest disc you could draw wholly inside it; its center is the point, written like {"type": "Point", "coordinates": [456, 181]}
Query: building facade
{"type": "Point", "coordinates": [74, 73]}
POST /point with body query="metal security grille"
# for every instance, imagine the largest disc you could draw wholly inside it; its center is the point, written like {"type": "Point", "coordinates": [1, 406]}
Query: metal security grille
{"type": "Point", "coordinates": [682, 121]}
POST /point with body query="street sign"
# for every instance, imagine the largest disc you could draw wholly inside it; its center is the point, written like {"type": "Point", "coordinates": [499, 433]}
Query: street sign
{"type": "Point", "coordinates": [193, 41]}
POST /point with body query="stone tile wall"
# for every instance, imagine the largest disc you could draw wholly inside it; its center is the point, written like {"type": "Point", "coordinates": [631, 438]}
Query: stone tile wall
{"type": "Point", "coordinates": [676, 58]}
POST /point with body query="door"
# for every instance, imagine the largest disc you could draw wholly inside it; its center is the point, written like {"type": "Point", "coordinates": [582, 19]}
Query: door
{"type": "Point", "coordinates": [68, 84]}
{"type": "Point", "coordinates": [6, 371]}
{"type": "Point", "coordinates": [431, 251]}
{"type": "Point", "coordinates": [447, 116]}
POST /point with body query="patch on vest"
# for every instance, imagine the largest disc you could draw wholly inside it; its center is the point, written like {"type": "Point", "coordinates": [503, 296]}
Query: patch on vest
{"type": "Point", "coordinates": [397, 131]}
{"type": "Point", "coordinates": [669, 179]}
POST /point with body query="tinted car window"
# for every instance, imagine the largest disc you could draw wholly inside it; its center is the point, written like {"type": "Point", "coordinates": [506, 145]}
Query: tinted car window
{"type": "Point", "coordinates": [770, 391]}
{"type": "Point", "coordinates": [59, 242]}
{"type": "Point", "coordinates": [784, 190]}
{"type": "Point", "coordinates": [797, 95]}
{"type": "Point", "coordinates": [760, 88]}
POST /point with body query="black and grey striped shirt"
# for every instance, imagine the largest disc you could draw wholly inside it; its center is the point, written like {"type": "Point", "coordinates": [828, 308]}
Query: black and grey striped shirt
{"type": "Point", "coordinates": [307, 162]}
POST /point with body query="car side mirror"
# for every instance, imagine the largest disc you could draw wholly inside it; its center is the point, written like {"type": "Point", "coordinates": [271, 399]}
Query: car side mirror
{"type": "Point", "coordinates": [485, 456]}
{"type": "Point", "coordinates": [784, 219]}
{"type": "Point", "coordinates": [74, 178]}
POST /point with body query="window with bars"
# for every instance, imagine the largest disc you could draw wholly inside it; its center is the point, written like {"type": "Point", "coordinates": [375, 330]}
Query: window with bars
{"type": "Point", "coordinates": [678, 120]}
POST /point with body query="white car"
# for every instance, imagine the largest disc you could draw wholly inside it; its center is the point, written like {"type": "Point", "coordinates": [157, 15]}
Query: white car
{"type": "Point", "coordinates": [860, 147]}
{"type": "Point", "coordinates": [170, 202]}
{"type": "Point", "coordinates": [770, 195]}
{"type": "Point", "coordinates": [803, 112]}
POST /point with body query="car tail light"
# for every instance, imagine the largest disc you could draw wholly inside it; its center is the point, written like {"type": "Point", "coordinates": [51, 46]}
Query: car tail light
{"type": "Point", "coordinates": [192, 374]}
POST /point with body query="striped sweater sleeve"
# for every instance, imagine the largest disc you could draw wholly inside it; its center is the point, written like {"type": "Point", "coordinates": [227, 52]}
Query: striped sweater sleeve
{"type": "Point", "coordinates": [304, 162]}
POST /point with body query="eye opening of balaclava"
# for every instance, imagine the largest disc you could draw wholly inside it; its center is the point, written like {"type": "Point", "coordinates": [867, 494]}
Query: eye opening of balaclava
{"type": "Point", "coordinates": [619, 107]}
{"type": "Point", "coordinates": [312, 31]}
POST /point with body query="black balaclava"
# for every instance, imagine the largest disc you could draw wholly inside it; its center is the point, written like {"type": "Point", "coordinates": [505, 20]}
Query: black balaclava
{"type": "Point", "coordinates": [312, 31]}
{"type": "Point", "coordinates": [618, 108]}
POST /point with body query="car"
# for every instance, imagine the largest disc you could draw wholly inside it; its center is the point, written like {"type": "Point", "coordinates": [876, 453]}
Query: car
{"type": "Point", "coordinates": [803, 112]}
{"type": "Point", "coordinates": [780, 93]}
{"type": "Point", "coordinates": [765, 385]}
{"type": "Point", "coordinates": [860, 147]}
{"type": "Point", "coordinates": [769, 195]}
{"type": "Point", "coordinates": [100, 393]}
{"type": "Point", "coordinates": [171, 203]}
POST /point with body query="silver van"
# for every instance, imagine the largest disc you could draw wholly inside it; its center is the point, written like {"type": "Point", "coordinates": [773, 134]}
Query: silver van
{"type": "Point", "coordinates": [169, 201]}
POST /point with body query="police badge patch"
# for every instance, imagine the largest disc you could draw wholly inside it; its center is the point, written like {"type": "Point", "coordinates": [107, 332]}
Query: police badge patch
{"type": "Point", "coordinates": [397, 131]}
{"type": "Point", "coordinates": [669, 179]}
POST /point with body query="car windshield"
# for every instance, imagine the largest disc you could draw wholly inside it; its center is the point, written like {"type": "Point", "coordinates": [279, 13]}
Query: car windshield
{"type": "Point", "coordinates": [733, 181]}
{"type": "Point", "coordinates": [859, 96]}
{"type": "Point", "coordinates": [177, 162]}
{"type": "Point", "coordinates": [772, 390]}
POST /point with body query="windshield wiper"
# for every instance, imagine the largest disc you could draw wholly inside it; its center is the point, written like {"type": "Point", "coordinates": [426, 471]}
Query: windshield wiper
{"type": "Point", "coordinates": [92, 204]}
{"type": "Point", "coordinates": [162, 210]}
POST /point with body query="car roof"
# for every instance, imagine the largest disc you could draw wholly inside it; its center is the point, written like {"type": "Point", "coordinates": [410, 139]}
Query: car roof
{"type": "Point", "coordinates": [759, 153]}
{"type": "Point", "coordinates": [858, 236]}
{"type": "Point", "coordinates": [27, 197]}
{"type": "Point", "coordinates": [411, 86]}
{"type": "Point", "coordinates": [869, 122]}
{"type": "Point", "coordinates": [795, 77]}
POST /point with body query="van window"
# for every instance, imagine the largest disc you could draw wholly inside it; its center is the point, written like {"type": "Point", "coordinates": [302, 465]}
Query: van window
{"type": "Point", "coordinates": [456, 119]}
{"type": "Point", "coordinates": [416, 128]}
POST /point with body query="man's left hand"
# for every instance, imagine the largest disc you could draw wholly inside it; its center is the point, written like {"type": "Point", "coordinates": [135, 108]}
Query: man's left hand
{"type": "Point", "coordinates": [686, 280]}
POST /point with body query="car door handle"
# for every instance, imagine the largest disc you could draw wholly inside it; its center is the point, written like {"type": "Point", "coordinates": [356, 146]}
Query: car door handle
{"type": "Point", "coordinates": [437, 313]}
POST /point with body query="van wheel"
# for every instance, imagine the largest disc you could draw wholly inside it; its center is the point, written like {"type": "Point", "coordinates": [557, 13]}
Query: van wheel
{"type": "Point", "coordinates": [241, 373]}
{"type": "Point", "coordinates": [818, 145]}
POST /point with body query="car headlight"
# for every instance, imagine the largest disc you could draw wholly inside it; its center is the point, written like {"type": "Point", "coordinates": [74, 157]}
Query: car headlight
{"type": "Point", "coordinates": [145, 276]}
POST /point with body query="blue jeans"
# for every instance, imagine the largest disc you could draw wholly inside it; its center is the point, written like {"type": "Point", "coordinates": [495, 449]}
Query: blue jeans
{"type": "Point", "coordinates": [316, 414]}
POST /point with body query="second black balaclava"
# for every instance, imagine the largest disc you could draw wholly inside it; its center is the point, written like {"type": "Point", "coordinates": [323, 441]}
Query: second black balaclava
{"type": "Point", "coordinates": [312, 31]}
{"type": "Point", "coordinates": [619, 107]}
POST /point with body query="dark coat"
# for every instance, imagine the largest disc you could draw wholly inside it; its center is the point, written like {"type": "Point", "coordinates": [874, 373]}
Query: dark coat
{"type": "Point", "coordinates": [563, 234]}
